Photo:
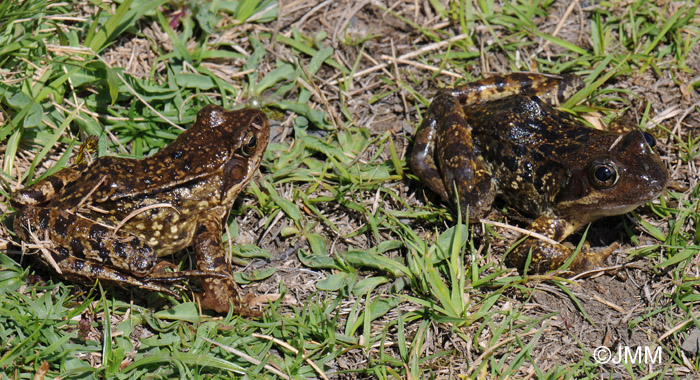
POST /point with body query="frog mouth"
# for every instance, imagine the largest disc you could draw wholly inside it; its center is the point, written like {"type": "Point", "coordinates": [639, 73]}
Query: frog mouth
{"type": "Point", "coordinates": [619, 210]}
{"type": "Point", "coordinates": [625, 208]}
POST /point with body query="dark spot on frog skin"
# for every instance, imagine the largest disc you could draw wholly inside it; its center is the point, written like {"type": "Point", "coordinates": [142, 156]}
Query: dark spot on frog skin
{"type": "Point", "coordinates": [510, 162]}
{"type": "Point", "coordinates": [96, 270]}
{"type": "Point", "coordinates": [62, 254]}
{"type": "Point", "coordinates": [56, 183]}
{"type": "Point", "coordinates": [97, 241]}
{"type": "Point", "coordinates": [145, 261]}
{"type": "Point", "coordinates": [77, 266]}
{"type": "Point", "coordinates": [77, 248]}
{"type": "Point", "coordinates": [531, 108]}
{"type": "Point", "coordinates": [528, 174]}
{"type": "Point", "coordinates": [97, 232]}
{"type": "Point", "coordinates": [44, 219]}
{"type": "Point", "coordinates": [63, 221]}
{"type": "Point", "coordinates": [37, 195]}
{"type": "Point", "coordinates": [176, 154]}
{"type": "Point", "coordinates": [540, 173]}
{"type": "Point", "coordinates": [219, 262]}
{"type": "Point", "coordinates": [120, 249]}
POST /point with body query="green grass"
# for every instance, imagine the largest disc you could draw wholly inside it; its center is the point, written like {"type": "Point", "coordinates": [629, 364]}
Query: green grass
{"type": "Point", "coordinates": [402, 290]}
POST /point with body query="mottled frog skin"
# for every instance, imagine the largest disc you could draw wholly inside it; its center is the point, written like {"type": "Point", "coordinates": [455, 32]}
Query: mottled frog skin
{"type": "Point", "coordinates": [502, 136]}
{"type": "Point", "coordinates": [113, 219]}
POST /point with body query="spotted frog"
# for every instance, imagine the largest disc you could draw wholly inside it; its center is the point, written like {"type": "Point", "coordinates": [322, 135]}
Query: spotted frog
{"type": "Point", "coordinates": [502, 136]}
{"type": "Point", "coordinates": [112, 220]}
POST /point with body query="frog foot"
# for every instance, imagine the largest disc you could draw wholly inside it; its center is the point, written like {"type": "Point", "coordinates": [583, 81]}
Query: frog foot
{"type": "Point", "coordinates": [587, 260]}
{"type": "Point", "coordinates": [221, 293]}
{"type": "Point", "coordinates": [546, 256]}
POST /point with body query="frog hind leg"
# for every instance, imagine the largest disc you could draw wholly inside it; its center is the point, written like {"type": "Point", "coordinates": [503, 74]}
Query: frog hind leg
{"type": "Point", "coordinates": [467, 179]}
{"type": "Point", "coordinates": [550, 88]}
{"type": "Point", "coordinates": [547, 256]}
{"type": "Point", "coordinates": [422, 160]}
{"type": "Point", "coordinates": [218, 292]}
{"type": "Point", "coordinates": [87, 271]}
{"type": "Point", "coordinates": [86, 240]}
{"type": "Point", "coordinates": [45, 190]}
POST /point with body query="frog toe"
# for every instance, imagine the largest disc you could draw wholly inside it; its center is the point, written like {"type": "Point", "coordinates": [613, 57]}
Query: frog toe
{"type": "Point", "coordinates": [218, 294]}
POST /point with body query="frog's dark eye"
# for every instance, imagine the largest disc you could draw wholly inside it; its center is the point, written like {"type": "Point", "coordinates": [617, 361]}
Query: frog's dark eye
{"type": "Point", "coordinates": [650, 139]}
{"type": "Point", "coordinates": [249, 143]}
{"type": "Point", "coordinates": [604, 175]}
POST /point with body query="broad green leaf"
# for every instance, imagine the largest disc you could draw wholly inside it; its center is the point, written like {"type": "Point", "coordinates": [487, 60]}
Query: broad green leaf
{"type": "Point", "coordinates": [283, 73]}
{"type": "Point", "coordinates": [368, 284]}
{"type": "Point", "coordinates": [683, 255]}
{"type": "Point", "coordinates": [251, 251]}
{"type": "Point", "coordinates": [316, 261]}
{"type": "Point", "coordinates": [376, 261]}
{"type": "Point", "coordinates": [187, 311]}
{"type": "Point", "coordinates": [200, 82]}
{"type": "Point", "coordinates": [317, 244]}
{"type": "Point", "coordinates": [336, 281]}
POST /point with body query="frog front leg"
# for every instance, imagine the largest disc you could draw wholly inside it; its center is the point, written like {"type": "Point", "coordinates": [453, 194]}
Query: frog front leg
{"type": "Point", "coordinates": [445, 159]}
{"type": "Point", "coordinates": [547, 256]}
{"type": "Point", "coordinates": [218, 292]}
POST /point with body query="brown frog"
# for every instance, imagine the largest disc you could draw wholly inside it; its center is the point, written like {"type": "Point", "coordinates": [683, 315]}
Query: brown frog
{"type": "Point", "coordinates": [112, 220]}
{"type": "Point", "coordinates": [502, 136]}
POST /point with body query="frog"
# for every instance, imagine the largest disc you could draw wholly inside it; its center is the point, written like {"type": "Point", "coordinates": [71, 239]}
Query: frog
{"type": "Point", "coordinates": [113, 220]}
{"type": "Point", "coordinates": [506, 137]}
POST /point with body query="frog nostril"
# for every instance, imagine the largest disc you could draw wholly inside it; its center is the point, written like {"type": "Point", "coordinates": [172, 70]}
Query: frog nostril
{"type": "Point", "coordinates": [258, 122]}
{"type": "Point", "coordinates": [650, 139]}
{"type": "Point", "coordinates": [176, 154]}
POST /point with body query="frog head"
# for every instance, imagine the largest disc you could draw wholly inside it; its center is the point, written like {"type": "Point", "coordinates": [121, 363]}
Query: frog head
{"type": "Point", "coordinates": [241, 141]}
{"type": "Point", "coordinates": [618, 173]}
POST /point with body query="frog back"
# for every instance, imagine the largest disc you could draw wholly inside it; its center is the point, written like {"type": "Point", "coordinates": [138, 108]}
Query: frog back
{"type": "Point", "coordinates": [529, 146]}
{"type": "Point", "coordinates": [198, 154]}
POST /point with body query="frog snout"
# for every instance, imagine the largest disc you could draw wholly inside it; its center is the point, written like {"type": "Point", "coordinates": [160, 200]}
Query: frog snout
{"type": "Point", "coordinates": [658, 178]}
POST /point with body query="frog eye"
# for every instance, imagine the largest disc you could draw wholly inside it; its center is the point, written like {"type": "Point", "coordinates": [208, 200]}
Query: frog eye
{"type": "Point", "coordinates": [650, 139]}
{"type": "Point", "coordinates": [249, 143]}
{"type": "Point", "coordinates": [604, 175]}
